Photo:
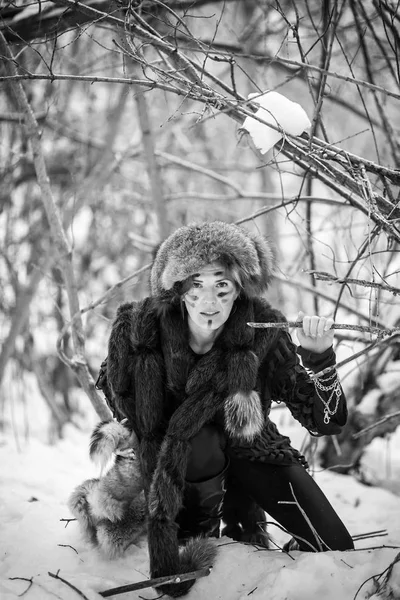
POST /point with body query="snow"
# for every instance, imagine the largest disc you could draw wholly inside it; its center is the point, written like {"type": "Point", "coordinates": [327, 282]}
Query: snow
{"type": "Point", "coordinates": [36, 480]}
{"type": "Point", "coordinates": [279, 111]}
{"type": "Point", "coordinates": [380, 462]}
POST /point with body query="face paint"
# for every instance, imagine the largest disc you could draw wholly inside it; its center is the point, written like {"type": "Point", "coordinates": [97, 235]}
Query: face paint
{"type": "Point", "coordinates": [210, 299]}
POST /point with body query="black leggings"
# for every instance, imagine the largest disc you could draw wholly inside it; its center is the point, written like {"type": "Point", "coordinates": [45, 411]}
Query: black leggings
{"type": "Point", "coordinates": [270, 485]}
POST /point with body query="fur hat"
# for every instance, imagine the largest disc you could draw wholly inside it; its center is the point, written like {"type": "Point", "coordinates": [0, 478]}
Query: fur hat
{"type": "Point", "coordinates": [192, 247]}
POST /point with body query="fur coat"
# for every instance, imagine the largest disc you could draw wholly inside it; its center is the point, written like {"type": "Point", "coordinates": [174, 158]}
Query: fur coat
{"type": "Point", "coordinates": [168, 395]}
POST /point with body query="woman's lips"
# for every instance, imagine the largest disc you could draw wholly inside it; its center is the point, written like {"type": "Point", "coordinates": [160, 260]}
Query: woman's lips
{"type": "Point", "coordinates": [209, 314]}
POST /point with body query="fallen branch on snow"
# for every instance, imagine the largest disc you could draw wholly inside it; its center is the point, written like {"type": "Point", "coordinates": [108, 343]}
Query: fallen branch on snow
{"type": "Point", "coordinates": [56, 576]}
{"type": "Point", "coordinates": [156, 581]}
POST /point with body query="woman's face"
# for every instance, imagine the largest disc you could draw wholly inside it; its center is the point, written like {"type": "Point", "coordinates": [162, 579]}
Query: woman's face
{"type": "Point", "coordinates": [210, 299]}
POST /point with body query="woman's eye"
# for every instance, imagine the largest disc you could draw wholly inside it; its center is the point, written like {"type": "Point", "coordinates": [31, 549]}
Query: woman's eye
{"type": "Point", "coordinates": [196, 284]}
{"type": "Point", "coordinates": [222, 284]}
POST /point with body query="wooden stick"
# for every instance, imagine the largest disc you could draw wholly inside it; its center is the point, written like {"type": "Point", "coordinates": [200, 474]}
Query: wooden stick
{"type": "Point", "coordinates": [140, 585]}
{"type": "Point", "coordinates": [364, 328]}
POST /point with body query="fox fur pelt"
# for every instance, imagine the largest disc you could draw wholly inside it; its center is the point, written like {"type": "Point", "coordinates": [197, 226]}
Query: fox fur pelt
{"type": "Point", "coordinates": [112, 511]}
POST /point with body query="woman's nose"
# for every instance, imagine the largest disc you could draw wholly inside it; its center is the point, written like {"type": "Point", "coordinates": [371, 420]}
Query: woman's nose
{"type": "Point", "coordinates": [210, 297]}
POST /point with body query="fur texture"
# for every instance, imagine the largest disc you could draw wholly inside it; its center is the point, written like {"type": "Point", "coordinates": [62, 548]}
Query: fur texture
{"type": "Point", "coordinates": [197, 553]}
{"type": "Point", "coordinates": [243, 415]}
{"type": "Point", "coordinates": [111, 510]}
{"type": "Point", "coordinates": [222, 381]}
{"type": "Point", "coordinates": [194, 246]}
{"type": "Point", "coordinates": [107, 438]}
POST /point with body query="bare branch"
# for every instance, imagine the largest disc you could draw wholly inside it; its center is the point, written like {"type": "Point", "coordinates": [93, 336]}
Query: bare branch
{"type": "Point", "coordinates": [21, 311]}
{"type": "Point", "coordinates": [323, 276]}
{"type": "Point", "coordinates": [302, 286]}
{"type": "Point", "coordinates": [153, 168]}
{"type": "Point", "coordinates": [98, 15]}
{"type": "Point", "coordinates": [61, 243]}
{"type": "Point", "coordinates": [394, 415]}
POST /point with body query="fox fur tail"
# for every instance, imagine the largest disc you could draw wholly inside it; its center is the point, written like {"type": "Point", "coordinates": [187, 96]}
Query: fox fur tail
{"type": "Point", "coordinates": [80, 508]}
{"type": "Point", "coordinates": [197, 553]}
{"type": "Point", "coordinates": [107, 438]}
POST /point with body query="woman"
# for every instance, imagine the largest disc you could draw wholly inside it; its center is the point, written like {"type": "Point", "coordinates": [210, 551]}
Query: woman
{"type": "Point", "coordinates": [196, 383]}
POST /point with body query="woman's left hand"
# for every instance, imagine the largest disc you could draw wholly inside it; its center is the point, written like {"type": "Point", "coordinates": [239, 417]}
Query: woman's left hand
{"type": "Point", "coordinates": [316, 334]}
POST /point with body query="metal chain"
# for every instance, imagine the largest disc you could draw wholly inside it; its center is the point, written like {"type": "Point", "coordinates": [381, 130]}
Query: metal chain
{"type": "Point", "coordinates": [335, 389]}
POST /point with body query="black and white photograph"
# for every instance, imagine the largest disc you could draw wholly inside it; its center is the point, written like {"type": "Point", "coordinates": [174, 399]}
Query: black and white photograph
{"type": "Point", "coordinates": [200, 299]}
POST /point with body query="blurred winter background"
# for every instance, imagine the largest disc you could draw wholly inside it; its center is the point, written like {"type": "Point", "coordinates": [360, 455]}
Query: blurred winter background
{"type": "Point", "coordinates": [120, 121]}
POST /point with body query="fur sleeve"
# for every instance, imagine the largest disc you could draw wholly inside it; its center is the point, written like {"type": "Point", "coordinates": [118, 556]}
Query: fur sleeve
{"type": "Point", "coordinates": [120, 364]}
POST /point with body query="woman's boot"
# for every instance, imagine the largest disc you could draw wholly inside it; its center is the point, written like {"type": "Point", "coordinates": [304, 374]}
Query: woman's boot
{"type": "Point", "coordinates": [244, 520]}
{"type": "Point", "coordinates": [202, 507]}
{"type": "Point", "coordinates": [291, 545]}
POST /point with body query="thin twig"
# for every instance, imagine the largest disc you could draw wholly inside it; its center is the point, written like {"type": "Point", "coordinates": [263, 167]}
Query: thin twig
{"type": "Point", "coordinates": [302, 286]}
{"type": "Point", "coordinates": [144, 35]}
{"type": "Point", "coordinates": [23, 579]}
{"type": "Point", "coordinates": [67, 521]}
{"type": "Point", "coordinates": [375, 577]}
{"type": "Point", "coordinates": [62, 245]}
{"type": "Point", "coordinates": [298, 538]}
{"type": "Point", "coordinates": [372, 534]}
{"type": "Point", "coordinates": [56, 576]}
{"type": "Point", "coordinates": [105, 297]}
{"type": "Point", "coordinates": [347, 564]}
{"type": "Point", "coordinates": [156, 581]}
{"type": "Point", "coordinates": [253, 590]}
{"type": "Point", "coordinates": [318, 538]}
{"type": "Point", "coordinates": [322, 276]}
{"type": "Point", "coordinates": [376, 424]}
{"type": "Point", "coordinates": [68, 546]}
{"type": "Point", "coordinates": [347, 360]}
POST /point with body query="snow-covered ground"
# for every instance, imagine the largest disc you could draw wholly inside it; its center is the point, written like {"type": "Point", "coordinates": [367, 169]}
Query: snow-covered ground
{"type": "Point", "coordinates": [36, 480]}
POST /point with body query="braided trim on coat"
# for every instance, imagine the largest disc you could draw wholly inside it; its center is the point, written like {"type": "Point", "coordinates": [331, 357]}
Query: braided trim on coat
{"type": "Point", "coordinates": [291, 384]}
